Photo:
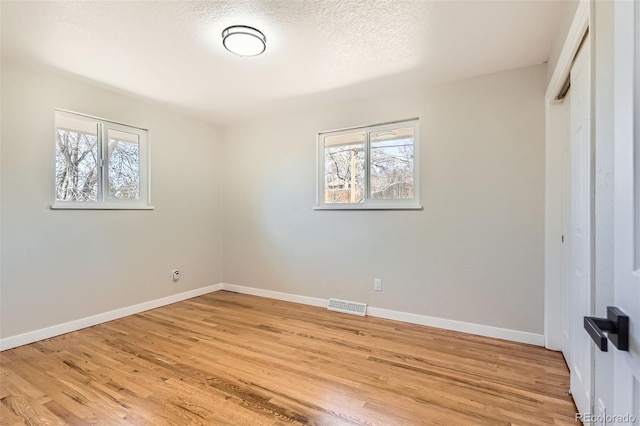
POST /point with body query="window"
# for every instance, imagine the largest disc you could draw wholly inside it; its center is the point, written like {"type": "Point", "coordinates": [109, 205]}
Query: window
{"type": "Point", "coordinates": [100, 164]}
{"type": "Point", "coordinates": [372, 167]}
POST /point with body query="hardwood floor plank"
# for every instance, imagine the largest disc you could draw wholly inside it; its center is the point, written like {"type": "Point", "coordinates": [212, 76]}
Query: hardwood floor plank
{"type": "Point", "coordinates": [29, 410]}
{"type": "Point", "coordinates": [7, 416]}
{"type": "Point", "coordinates": [232, 359]}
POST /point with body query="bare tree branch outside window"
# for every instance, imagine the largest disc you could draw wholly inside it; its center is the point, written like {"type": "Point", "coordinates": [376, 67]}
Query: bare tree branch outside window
{"type": "Point", "coordinates": [391, 168]}
{"type": "Point", "coordinates": [124, 169]}
{"type": "Point", "coordinates": [77, 167]}
{"type": "Point", "coordinates": [344, 174]}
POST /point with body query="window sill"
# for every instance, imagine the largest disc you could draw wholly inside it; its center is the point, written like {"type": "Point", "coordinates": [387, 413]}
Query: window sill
{"type": "Point", "coordinates": [99, 207]}
{"type": "Point", "coordinates": [365, 207]}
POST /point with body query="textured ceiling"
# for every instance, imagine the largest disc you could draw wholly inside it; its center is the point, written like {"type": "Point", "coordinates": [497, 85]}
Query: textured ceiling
{"type": "Point", "coordinates": [318, 51]}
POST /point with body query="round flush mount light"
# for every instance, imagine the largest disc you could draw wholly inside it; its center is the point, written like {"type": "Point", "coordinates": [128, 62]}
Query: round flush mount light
{"type": "Point", "coordinates": [243, 40]}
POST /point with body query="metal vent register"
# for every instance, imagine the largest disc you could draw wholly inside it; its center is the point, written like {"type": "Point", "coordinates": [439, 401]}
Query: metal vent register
{"type": "Point", "coordinates": [348, 307]}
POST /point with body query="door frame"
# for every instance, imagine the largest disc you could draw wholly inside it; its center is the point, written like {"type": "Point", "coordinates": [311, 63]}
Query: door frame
{"type": "Point", "coordinates": [625, 381]}
{"type": "Point", "coordinates": [554, 133]}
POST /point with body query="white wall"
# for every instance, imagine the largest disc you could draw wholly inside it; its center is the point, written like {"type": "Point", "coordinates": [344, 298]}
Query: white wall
{"type": "Point", "coordinates": [63, 265]}
{"type": "Point", "coordinates": [474, 254]}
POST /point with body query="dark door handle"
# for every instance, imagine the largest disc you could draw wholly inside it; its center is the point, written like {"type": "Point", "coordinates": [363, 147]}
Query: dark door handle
{"type": "Point", "coordinates": [615, 327]}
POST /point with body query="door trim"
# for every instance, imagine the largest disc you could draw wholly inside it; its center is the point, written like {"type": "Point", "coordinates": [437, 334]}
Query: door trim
{"type": "Point", "coordinates": [553, 178]}
{"type": "Point", "coordinates": [569, 50]}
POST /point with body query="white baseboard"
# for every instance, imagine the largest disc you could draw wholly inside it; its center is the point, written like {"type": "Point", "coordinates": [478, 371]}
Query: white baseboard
{"type": "Point", "coordinates": [447, 324]}
{"type": "Point", "coordinates": [464, 327]}
{"type": "Point", "coordinates": [269, 294]}
{"type": "Point", "coordinates": [67, 327]}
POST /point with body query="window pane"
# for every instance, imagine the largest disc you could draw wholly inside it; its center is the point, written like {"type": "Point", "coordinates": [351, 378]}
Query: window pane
{"type": "Point", "coordinates": [344, 168]}
{"type": "Point", "coordinates": [76, 160]}
{"type": "Point", "coordinates": [124, 165]}
{"type": "Point", "coordinates": [392, 164]}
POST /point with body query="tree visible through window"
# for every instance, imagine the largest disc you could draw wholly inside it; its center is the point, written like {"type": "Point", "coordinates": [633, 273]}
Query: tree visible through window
{"type": "Point", "coordinates": [124, 166]}
{"type": "Point", "coordinates": [76, 164]}
{"type": "Point", "coordinates": [392, 163]}
{"type": "Point", "coordinates": [372, 167]}
{"type": "Point", "coordinates": [99, 161]}
{"type": "Point", "coordinates": [344, 168]}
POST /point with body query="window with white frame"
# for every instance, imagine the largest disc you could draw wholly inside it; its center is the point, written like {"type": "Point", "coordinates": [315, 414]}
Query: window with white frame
{"type": "Point", "coordinates": [100, 164]}
{"type": "Point", "coordinates": [371, 167]}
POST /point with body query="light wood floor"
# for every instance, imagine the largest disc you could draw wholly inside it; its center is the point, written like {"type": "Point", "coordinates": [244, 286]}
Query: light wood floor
{"type": "Point", "coordinates": [227, 358]}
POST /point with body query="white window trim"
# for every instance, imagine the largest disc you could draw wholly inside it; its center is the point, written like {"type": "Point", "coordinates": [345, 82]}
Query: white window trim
{"type": "Point", "coordinates": [87, 205]}
{"type": "Point", "coordinates": [144, 203]}
{"type": "Point", "coordinates": [368, 203]}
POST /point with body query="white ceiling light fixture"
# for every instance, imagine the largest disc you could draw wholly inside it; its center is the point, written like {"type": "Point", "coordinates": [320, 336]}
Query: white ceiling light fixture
{"type": "Point", "coordinates": [243, 40]}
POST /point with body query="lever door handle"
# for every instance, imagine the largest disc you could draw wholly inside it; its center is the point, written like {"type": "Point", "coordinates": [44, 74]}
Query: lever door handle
{"type": "Point", "coordinates": [615, 328]}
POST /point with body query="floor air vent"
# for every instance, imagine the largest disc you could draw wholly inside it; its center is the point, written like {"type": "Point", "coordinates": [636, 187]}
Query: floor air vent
{"type": "Point", "coordinates": [347, 307]}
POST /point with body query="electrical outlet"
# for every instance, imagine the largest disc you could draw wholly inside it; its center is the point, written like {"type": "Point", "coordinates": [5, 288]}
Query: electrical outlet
{"type": "Point", "coordinates": [175, 275]}
{"type": "Point", "coordinates": [377, 284]}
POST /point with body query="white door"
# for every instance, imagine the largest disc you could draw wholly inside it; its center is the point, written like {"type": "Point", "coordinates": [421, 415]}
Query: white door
{"type": "Point", "coordinates": [626, 385]}
{"type": "Point", "coordinates": [580, 361]}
